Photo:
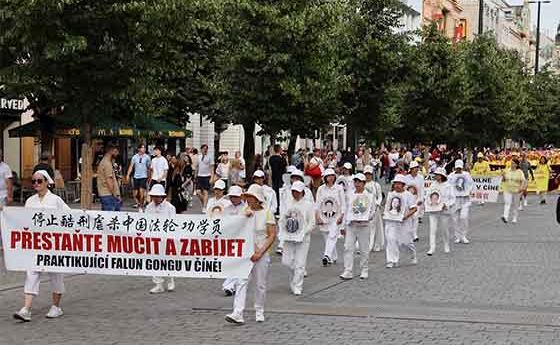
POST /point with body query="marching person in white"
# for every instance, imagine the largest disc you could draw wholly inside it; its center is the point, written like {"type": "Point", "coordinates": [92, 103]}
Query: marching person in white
{"type": "Point", "coordinates": [44, 199]}
{"type": "Point", "coordinates": [265, 234]}
{"type": "Point", "coordinates": [330, 207]}
{"type": "Point", "coordinates": [399, 232]}
{"type": "Point", "coordinates": [269, 193]}
{"type": "Point", "coordinates": [218, 200]}
{"type": "Point", "coordinates": [463, 185]}
{"type": "Point", "coordinates": [234, 208]}
{"type": "Point", "coordinates": [296, 222]}
{"type": "Point", "coordinates": [347, 174]}
{"type": "Point", "coordinates": [160, 206]}
{"type": "Point", "coordinates": [377, 237]}
{"type": "Point", "coordinates": [358, 216]}
{"type": "Point", "coordinates": [417, 180]}
{"type": "Point", "coordinates": [286, 197]}
{"type": "Point", "coordinates": [440, 219]}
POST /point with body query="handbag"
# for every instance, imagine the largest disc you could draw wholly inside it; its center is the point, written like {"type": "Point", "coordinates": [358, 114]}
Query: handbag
{"type": "Point", "coordinates": [314, 172]}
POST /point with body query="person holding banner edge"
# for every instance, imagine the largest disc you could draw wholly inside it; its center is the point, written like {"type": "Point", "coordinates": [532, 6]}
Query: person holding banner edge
{"type": "Point", "coordinates": [43, 199]}
{"type": "Point", "coordinates": [264, 234]}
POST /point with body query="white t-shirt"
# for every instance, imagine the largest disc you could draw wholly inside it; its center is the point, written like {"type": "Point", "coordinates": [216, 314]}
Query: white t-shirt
{"type": "Point", "coordinates": [213, 202]}
{"type": "Point", "coordinates": [393, 158]}
{"type": "Point", "coordinates": [165, 209]}
{"type": "Point", "coordinates": [263, 218]}
{"type": "Point", "coordinates": [297, 221]}
{"type": "Point", "coordinates": [204, 164]}
{"type": "Point", "coordinates": [159, 168]}
{"type": "Point", "coordinates": [50, 200]}
{"type": "Point", "coordinates": [5, 173]}
{"type": "Point", "coordinates": [418, 182]}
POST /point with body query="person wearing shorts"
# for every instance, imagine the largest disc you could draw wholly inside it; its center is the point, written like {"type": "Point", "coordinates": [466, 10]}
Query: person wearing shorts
{"type": "Point", "coordinates": [204, 175]}
{"type": "Point", "coordinates": [140, 163]}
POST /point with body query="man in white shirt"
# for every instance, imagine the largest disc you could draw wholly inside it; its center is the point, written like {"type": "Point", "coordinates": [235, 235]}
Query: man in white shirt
{"type": "Point", "coordinates": [159, 168]}
{"type": "Point", "coordinates": [235, 207]}
{"type": "Point", "coordinates": [393, 159]}
{"type": "Point", "coordinates": [162, 207]}
{"type": "Point", "coordinates": [462, 184]}
{"type": "Point", "coordinates": [269, 193]}
{"type": "Point", "coordinates": [6, 185]}
{"type": "Point", "coordinates": [204, 175]}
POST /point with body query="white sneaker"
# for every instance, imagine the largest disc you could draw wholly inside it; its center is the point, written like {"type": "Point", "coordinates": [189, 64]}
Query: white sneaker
{"type": "Point", "coordinates": [234, 318]}
{"type": "Point", "coordinates": [157, 289]}
{"type": "Point", "coordinates": [364, 275]}
{"type": "Point", "coordinates": [171, 285]}
{"type": "Point", "coordinates": [346, 275]}
{"type": "Point", "coordinates": [389, 265]}
{"type": "Point", "coordinates": [414, 261]}
{"type": "Point", "coordinates": [279, 251]}
{"type": "Point", "coordinates": [23, 314]}
{"type": "Point", "coordinates": [54, 312]}
{"type": "Point", "coordinates": [446, 250]}
{"type": "Point", "coordinates": [525, 203]}
{"type": "Point", "coordinates": [296, 292]}
{"type": "Point", "coordinates": [376, 249]}
{"type": "Point", "coordinates": [520, 208]}
{"type": "Point", "coordinates": [457, 240]}
{"type": "Point", "coordinates": [259, 315]}
{"type": "Point", "coordinates": [466, 240]}
{"type": "Point", "coordinates": [514, 220]}
{"type": "Point", "coordinates": [430, 253]}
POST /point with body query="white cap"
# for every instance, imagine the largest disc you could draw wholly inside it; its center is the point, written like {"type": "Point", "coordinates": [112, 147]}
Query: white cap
{"type": "Point", "coordinates": [298, 186]}
{"type": "Point", "coordinates": [400, 178]}
{"type": "Point", "coordinates": [297, 172]}
{"type": "Point", "coordinates": [368, 169]}
{"type": "Point", "coordinates": [290, 169]}
{"type": "Point", "coordinates": [329, 172]}
{"type": "Point", "coordinates": [459, 164]}
{"type": "Point", "coordinates": [45, 175]}
{"type": "Point", "coordinates": [235, 191]}
{"type": "Point", "coordinates": [220, 184]}
{"type": "Point", "coordinates": [347, 165]}
{"type": "Point", "coordinates": [157, 190]}
{"type": "Point", "coordinates": [258, 173]}
{"type": "Point", "coordinates": [360, 177]}
{"type": "Point", "coordinates": [441, 171]}
{"type": "Point", "coordinates": [256, 191]}
{"type": "Point", "coordinates": [413, 164]}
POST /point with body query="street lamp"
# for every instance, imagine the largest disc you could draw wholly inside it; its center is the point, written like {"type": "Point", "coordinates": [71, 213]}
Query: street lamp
{"type": "Point", "coordinates": [538, 2]}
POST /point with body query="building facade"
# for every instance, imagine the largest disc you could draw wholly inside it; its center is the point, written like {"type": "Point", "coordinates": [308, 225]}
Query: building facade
{"type": "Point", "coordinates": [448, 16]}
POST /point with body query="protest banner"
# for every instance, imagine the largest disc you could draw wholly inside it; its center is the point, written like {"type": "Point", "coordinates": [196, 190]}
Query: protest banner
{"type": "Point", "coordinates": [122, 243]}
{"type": "Point", "coordinates": [486, 188]}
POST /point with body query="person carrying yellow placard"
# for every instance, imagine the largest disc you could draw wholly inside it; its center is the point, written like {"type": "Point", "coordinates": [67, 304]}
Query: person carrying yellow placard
{"type": "Point", "coordinates": [542, 175]}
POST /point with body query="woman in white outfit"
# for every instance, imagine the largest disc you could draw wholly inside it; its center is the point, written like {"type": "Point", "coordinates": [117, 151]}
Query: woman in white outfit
{"type": "Point", "coordinates": [377, 236]}
{"type": "Point", "coordinates": [296, 222]}
{"type": "Point", "coordinates": [43, 199]}
{"type": "Point", "coordinates": [330, 206]}
{"type": "Point", "coordinates": [462, 184]}
{"type": "Point", "coordinates": [358, 216]}
{"type": "Point", "coordinates": [440, 219]}
{"type": "Point", "coordinates": [160, 206]}
{"type": "Point", "coordinates": [236, 207]}
{"type": "Point", "coordinates": [218, 202]}
{"type": "Point", "coordinates": [417, 180]}
{"type": "Point", "coordinates": [265, 234]}
{"type": "Point", "coordinates": [399, 232]}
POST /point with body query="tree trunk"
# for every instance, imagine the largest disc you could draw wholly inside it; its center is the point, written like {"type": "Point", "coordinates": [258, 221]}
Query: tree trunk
{"type": "Point", "coordinates": [87, 168]}
{"type": "Point", "coordinates": [249, 147]}
{"type": "Point", "coordinates": [291, 147]}
{"type": "Point", "coordinates": [217, 136]}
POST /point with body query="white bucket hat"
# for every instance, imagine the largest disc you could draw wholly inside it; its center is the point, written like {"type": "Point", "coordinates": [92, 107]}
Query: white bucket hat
{"type": "Point", "coordinates": [235, 191]}
{"type": "Point", "coordinates": [347, 165]}
{"type": "Point", "coordinates": [329, 172]}
{"type": "Point", "coordinates": [459, 164]}
{"type": "Point", "coordinates": [157, 190]}
{"type": "Point", "coordinates": [220, 184]}
{"type": "Point", "coordinates": [258, 173]}
{"type": "Point", "coordinates": [291, 169]}
{"type": "Point", "coordinates": [256, 191]}
{"type": "Point", "coordinates": [359, 177]}
{"type": "Point", "coordinates": [413, 164]}
{"type": "Point", "coordinates": [297, 172]}
{"type": "Point", "coordinates": [368, 169]}
{"type": "Point", "coordinates": [399, 178]}
{"type": "Point", "coordinates": [298, 186]}
{"type": "Point", "coordinates": [441, 171]}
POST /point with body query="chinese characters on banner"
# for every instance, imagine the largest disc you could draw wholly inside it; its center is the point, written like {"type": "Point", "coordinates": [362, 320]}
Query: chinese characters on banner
{"type": "Point", "coordinates": [121, 243]}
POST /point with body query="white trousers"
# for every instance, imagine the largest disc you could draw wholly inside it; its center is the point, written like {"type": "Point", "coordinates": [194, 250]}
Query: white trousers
{"type": "Point", "coordinates": [511, 203]}
{"type": "Point", "coordinates": [398, 234]}
{"type": "Point", "coordinates": [257, 276]}
{"type": "Point", "coordinates": [439, 221]}
{"type": "Point", "coordinates": [229, 284]}
{"type": "Point", "coordinates": [377, 237]}
{"type": "Point", "coordinates": [353, 234]}
{"type": "Point", "coordinates": [331, 237]}
{"type": "Point", "coordinates": [295, 257]}
{"type": "Point", "coordinates": [280, 236]}
{"type": "Point", "coordinates": [33, 279]}
{"type": "Point", "coordinates": [461, 222]}
{"type": "Point", "coordinates": [161, 280]}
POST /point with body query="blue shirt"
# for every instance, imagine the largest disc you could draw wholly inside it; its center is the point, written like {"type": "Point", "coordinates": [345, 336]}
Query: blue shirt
{"type": "Point", "coordinates": [141, 165]}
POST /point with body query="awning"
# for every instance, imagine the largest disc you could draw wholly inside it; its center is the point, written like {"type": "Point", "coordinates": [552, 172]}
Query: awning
{"type": "Point", "coordinates": [154, 129]}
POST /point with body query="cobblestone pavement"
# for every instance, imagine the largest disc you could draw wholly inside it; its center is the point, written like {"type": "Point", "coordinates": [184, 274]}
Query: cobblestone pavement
{"type": "Point", "coordinates": [503, 288]}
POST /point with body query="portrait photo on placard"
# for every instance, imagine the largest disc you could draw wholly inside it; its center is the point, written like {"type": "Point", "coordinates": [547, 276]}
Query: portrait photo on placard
{"type": "Point", "coordinates": [394, 207]}
{"type": "Point", "coordinates": [412, 189]}
{"type": "Point", "coordinates": [329, 209]}
{"type": "Point", "coordinates": [341, 180]}
{"type": "Point", "coordinates": [360, 208]}
{"type": "Point", "coordinates": [216, 211]}
{"type": "Point", "coordinates": [433, 202]}
{"type": "Point", "coordinates": [294, 221]}
{"type": "Point", "coordinates": [460, 184]}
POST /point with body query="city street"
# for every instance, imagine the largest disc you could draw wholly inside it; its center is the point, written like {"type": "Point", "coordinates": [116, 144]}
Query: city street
{"type": "Point", "coordinates": [503, 288]}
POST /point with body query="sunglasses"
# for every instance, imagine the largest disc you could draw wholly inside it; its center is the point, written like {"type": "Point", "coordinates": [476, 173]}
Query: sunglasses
{"type": "Point", "coordinates": [39, 181]}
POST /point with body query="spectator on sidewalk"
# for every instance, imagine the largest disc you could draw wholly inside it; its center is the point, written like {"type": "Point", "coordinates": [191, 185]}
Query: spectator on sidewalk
{"type": "Point", "coordinates": [108, 188]}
